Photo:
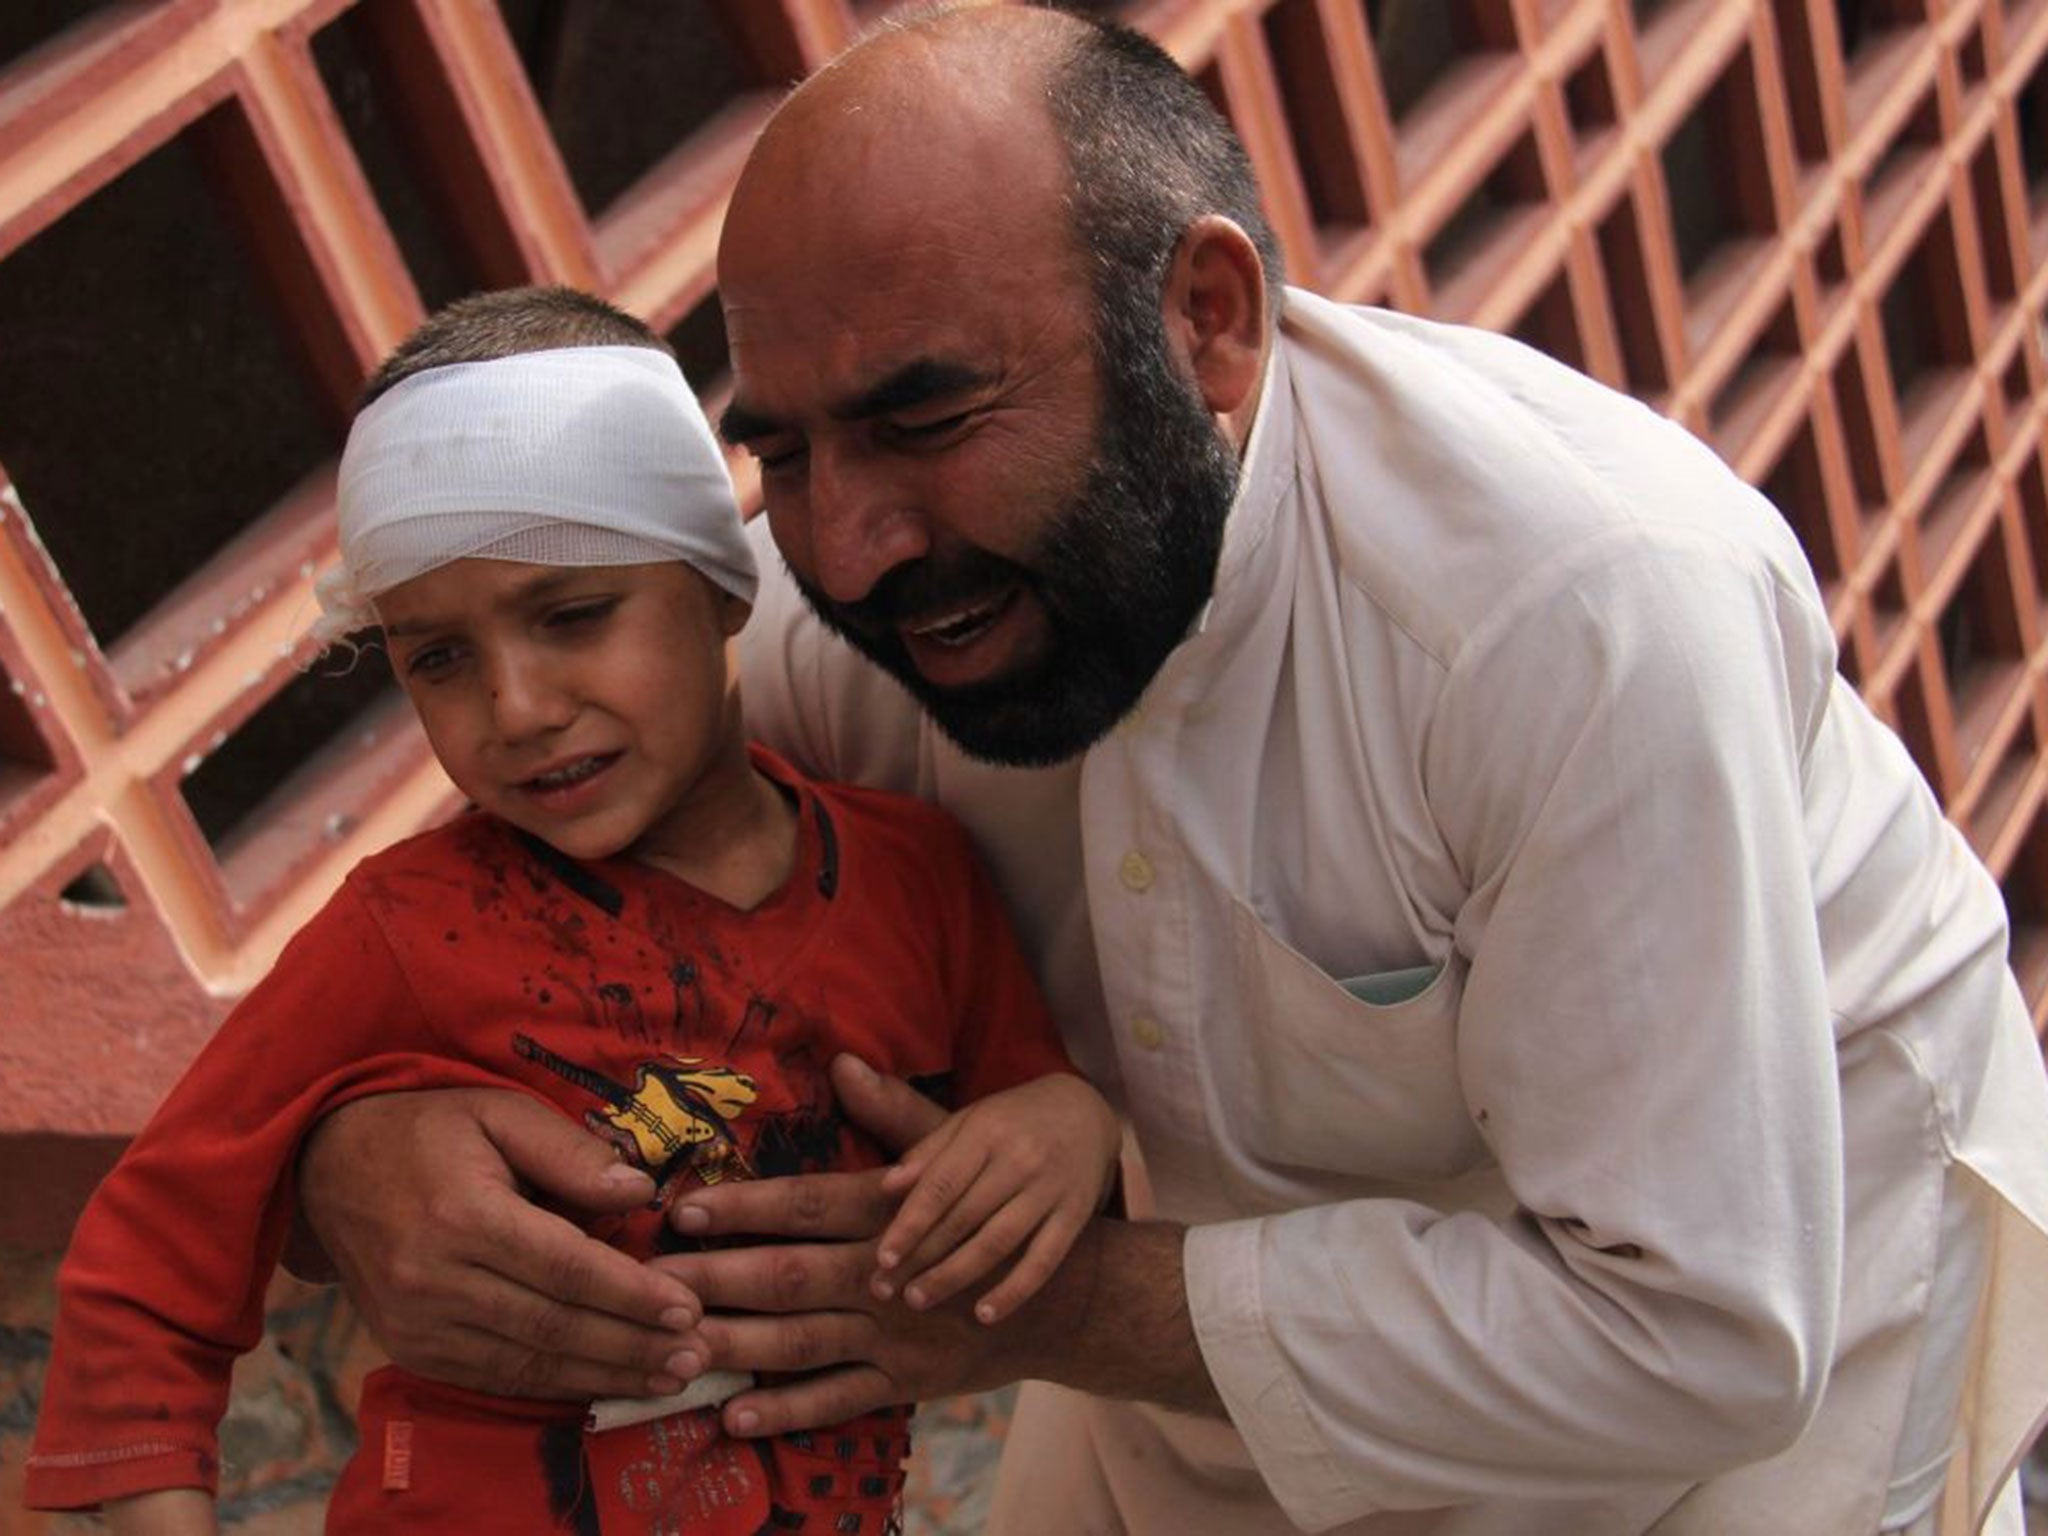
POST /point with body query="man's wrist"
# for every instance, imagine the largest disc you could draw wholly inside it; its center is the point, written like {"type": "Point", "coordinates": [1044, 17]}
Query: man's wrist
{"type": "Point", "coordinates": [1114, 1321]}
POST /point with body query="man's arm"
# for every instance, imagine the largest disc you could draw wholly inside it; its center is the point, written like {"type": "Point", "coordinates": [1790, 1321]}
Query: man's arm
{"type": "Point", "coordinates": [420, 1200]}
{"type": "Point", "coordinates": [1113, 1320]}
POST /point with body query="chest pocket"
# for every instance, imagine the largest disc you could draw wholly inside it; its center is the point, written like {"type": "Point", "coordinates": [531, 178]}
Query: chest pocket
{"type": "Point", "coordinates": [1357, 1076]}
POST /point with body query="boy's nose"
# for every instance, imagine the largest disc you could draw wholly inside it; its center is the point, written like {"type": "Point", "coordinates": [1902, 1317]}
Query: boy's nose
{"type": "Point", "coordinates": [526, 701]}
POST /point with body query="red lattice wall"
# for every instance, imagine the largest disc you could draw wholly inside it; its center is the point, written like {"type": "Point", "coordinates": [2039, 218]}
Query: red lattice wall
{"type": "Point", "coordinates": [1812, 230]}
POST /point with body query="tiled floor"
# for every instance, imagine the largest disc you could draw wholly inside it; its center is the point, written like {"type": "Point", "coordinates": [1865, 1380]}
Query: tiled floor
{"type": "Point", "coordinates": [953, 1466]}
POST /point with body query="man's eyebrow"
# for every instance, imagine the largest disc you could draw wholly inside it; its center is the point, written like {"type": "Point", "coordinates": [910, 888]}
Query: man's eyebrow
{"type": "Point", "coordinates": [915, 383]}
{"type": "Point", "coordinates": [739, 425]}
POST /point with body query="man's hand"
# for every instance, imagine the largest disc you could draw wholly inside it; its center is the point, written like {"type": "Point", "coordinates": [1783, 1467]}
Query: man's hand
{"type": "Point", "coordinates": [821, 1205]}
{"type": "Point", "coordinates": [460, 1277]}
{"type": "Point", "coordinates": [809, 1307]}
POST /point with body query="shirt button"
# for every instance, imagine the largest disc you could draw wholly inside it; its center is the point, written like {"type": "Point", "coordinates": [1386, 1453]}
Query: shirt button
{"type": "Point", "coordinates": [1136, 871]}
{"type": "Point", "coordinates": [1146, 1031]}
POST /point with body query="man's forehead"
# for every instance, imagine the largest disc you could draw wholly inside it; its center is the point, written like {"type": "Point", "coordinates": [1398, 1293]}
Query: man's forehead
{"type": "Point", "coordinates": [839, 359]}
{"type": "Point", "coordinates": [836, 317]}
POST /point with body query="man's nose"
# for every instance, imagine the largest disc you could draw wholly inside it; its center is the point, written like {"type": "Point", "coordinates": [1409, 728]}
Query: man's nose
{"type": "Point", "coordinates": [528, 699]}
{"type": "Point", "coordinates": [864, 522]}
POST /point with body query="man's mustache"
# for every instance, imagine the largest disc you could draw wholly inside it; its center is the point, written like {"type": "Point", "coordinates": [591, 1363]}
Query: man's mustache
{"type": "Point", "coordinates": [930, 584]}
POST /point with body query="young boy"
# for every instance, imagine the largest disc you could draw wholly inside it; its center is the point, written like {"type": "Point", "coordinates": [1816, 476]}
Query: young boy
{"type": "Point", "coordinates": [641, 919]}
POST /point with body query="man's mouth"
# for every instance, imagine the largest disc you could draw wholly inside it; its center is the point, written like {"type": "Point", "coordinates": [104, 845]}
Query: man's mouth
{"type": "Point", "coordinates": [961, 626]}
{"type": "Point", "coordinates": [974, 642]}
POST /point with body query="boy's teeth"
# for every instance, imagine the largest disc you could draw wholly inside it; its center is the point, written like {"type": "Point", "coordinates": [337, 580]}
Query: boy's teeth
{"type": "Point", "coordinates": [568, 775]}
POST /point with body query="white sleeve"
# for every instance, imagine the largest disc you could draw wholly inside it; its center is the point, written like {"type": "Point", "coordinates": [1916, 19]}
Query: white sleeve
{"type": "Point", "coordinates": [1644, 1041]}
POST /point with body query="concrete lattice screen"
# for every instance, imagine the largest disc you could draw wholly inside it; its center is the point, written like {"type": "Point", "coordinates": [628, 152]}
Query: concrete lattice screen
{"type": "Point", "coordinates": [1812, 230]}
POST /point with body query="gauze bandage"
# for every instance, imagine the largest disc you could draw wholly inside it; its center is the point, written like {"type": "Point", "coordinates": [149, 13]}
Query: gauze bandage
{"type": "Point", "coordinates": [576, 456]}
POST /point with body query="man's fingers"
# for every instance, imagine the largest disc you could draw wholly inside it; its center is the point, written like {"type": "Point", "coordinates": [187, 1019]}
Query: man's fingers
{"type": "Point", "coordinates": [813, 1205]}
{"type": "Point", "coordinates": [553, 1154]}
{"type": "Point", "coordinates": [807, 1341]}
{"type": "Point", "coordinates": [483, 1362]}
{"type": "Point", "coordinates": [796, 1277]}
{"type": "Point", "coordinates": [548, 1255]}
{"type": "Point", "coordinates": [811, 1403]}
{"type": "Point", "coordinates": [821, 1205]}
{"type": "Point", "coordinates": [537, 1321]}
{"type": "Point", "coordinates": [503, 1336]}
{"type": "Point", "coordinates": [887, 1108]}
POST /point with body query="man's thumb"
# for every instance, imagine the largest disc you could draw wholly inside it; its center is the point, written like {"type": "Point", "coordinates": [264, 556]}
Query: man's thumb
{"type": "Point", "coordinates": [558, 1157]}
{"type": "Point", "coordinates": [887, 1108]}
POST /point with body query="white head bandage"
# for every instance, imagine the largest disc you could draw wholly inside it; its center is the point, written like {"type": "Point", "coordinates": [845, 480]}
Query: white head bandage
{"type": "Point", "coordinates": [577, 456]}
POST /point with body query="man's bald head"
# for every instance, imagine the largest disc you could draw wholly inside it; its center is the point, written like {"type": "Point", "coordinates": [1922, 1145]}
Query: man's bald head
{"type": "Point", "coordinates": [938, 96]}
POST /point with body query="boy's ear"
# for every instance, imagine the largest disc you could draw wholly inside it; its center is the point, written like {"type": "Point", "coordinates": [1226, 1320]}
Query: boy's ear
{"type": "Point", "coordinates": [1216, 312]}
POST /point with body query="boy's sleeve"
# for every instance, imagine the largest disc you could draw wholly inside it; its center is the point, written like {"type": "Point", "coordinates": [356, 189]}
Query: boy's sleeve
{"type": "Point", "coordinates": [164, 1280]}
{"type": "Point", "coordinates": [1004, 1034]}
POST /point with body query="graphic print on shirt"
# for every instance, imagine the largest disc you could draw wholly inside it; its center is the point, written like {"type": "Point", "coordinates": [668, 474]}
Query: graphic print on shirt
{"type": "Point", "coordinates": [677, 1475]}
{"type": "Point", "coordinates": [672, 1121]}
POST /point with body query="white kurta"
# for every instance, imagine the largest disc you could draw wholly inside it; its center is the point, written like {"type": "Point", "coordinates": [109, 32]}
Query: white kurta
{"type": "Point", "coordinates": [1577, 1041]}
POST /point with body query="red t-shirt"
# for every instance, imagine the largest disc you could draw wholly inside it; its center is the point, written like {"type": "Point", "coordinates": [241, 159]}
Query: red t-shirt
{"type": "Point", "coordinates": [693, 1035]}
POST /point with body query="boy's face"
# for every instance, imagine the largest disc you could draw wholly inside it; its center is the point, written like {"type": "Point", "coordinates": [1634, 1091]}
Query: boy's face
{"type": "Point", "coordinates": [585, 705]}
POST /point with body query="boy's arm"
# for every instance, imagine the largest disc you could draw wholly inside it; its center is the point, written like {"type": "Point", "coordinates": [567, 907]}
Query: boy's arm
{"type": "Point", "coordinates": [164, 1281]}
{"type": "Point", "coordinates": [170, 1512]}
{"type": "Point", "coordinates": [1018, 1173]}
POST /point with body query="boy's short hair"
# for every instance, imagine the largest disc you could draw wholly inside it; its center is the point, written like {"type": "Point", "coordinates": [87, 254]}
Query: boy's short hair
{"type": "Point", "coordinates": [505, 323]}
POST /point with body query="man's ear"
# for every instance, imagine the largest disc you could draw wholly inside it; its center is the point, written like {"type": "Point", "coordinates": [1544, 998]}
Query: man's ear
{"type": "Point", "coordinates": [1216, 312]}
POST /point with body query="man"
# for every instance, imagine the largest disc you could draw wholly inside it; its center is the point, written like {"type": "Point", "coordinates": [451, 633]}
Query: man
{"type": "Point", "coordinates": [1573, 1060]}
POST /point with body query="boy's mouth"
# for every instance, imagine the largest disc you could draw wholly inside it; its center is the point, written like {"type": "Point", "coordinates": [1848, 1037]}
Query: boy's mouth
{"type": "Point", "coordinates": [569, 774]}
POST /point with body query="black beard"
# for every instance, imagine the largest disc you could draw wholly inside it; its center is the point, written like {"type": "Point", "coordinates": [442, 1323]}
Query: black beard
{"type": "Point", "coordinates": [1121, 573]}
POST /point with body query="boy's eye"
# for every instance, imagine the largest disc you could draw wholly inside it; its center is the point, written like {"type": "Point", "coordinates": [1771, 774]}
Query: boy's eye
{"type": "Point", "coordinates": [589, 612]}
{"type": "Point", "coordinates": [430, 661]}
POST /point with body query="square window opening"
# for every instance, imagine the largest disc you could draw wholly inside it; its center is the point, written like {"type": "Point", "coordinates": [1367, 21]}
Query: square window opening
{"type": "Point", "coordinates": [676, 61]}
{"type": "Point", "coordinates": [1316, 123]}
{"type": "Point", "coordinates": [177, 359]}
{"type": "Point", "coordinates": [1420, 43]}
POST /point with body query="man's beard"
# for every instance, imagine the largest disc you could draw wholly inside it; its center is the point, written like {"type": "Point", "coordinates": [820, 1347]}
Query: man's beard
{"type": "Point", "coordinates": [1121, 573]}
